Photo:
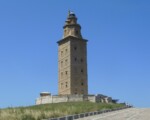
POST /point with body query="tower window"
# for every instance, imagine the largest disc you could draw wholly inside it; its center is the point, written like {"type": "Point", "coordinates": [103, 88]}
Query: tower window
{"type": "Point", "coordinates": [66, 51]}
{"type": "Point", "coordinates": [61, 53]}
{"type": "Point", "coordinates": [76, 32]}
{"type": "Point", "coordinates": [66, 72]}
{"type": "Point", "coordinates": [75, 48]}
{"type": "Point", "coordinates": [81, 70]}
{"type": "Point", "coordinates": [66, 62]}
{"type": "Point", "coordinates": [61, 63]}
{"type": "Point", "coordinates": [61, 74]}
{"type": "Point", "coordinates": [66, 84]}
{"type": "Point", "coordinates": [82, 83]}
{"type": "Point", "coordinates": [81, 60]}
{"type": "Point", "coordinates": [75, 59]}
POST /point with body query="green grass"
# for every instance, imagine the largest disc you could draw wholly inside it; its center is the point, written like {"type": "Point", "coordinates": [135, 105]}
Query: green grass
{"type": "Point", "coordinates": [39, 112]}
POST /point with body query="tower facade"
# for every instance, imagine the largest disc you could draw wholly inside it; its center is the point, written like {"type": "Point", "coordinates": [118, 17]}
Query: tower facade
{"type": "Point", "coordinates": [72, 59]}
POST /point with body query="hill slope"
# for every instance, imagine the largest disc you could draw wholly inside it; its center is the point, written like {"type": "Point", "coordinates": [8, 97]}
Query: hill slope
{"type": "Point", "coordinates": [39, 112]}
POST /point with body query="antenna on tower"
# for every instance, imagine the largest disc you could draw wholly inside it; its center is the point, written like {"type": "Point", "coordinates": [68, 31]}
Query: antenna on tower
{"type": "Point", "coordinates": [69, 12]}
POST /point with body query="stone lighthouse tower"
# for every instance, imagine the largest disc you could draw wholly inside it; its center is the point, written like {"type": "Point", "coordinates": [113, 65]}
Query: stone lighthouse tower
{"type": "Point", "coordinates": [72, 59]}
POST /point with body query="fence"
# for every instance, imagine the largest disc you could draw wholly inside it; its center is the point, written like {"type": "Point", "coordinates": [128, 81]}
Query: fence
{"type": "Point", "coordinates": [82, 115]}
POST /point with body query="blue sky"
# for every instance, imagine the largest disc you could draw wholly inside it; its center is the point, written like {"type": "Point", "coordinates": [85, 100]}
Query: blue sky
{"type": "Point", "coordinates": [118, 48]}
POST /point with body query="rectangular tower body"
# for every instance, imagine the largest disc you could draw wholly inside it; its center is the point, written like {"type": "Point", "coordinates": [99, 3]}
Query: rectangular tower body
{"type": "Point", "coordinates": [72, 60]}
{"type": "Point", "coordinates": [72, 66]}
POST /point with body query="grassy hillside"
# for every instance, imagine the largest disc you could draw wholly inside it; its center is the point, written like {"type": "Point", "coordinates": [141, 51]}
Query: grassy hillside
{"type": "Point", "coordinates": [52, 110]}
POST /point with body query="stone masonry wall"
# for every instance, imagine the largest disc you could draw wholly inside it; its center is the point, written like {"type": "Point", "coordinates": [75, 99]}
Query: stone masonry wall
{"type": "Point", "coordinates": [71, 98]}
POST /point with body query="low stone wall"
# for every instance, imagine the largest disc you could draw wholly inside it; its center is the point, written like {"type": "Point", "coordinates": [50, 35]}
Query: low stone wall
{"type": "Point", "coordinates": [58, 99]}
{"type": "Point", "coordinates": [72, 98]}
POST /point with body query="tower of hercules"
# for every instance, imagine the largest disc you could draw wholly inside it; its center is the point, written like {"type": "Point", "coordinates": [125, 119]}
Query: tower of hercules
{"type": "Point", "coordinates": [72, 59]}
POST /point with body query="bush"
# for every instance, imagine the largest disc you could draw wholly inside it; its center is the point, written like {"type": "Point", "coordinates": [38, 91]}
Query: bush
{"type": "Point", "coordinates": [28, 117]}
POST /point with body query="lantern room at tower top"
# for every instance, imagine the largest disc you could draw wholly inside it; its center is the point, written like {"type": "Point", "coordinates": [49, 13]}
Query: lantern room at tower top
{"type": "Point", "coordinates": [71, 27]}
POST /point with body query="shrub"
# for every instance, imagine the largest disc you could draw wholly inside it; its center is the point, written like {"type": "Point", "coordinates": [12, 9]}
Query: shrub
{"type": "Point", "coordinates": [28, 117]}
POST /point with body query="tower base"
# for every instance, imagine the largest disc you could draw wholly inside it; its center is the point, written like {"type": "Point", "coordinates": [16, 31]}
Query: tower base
{"type": "Point", "coordinates": [48, 98]}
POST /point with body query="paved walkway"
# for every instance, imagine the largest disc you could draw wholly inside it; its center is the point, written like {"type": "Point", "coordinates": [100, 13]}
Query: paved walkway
{"type": "Point", "coordinates": [127, 114]}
